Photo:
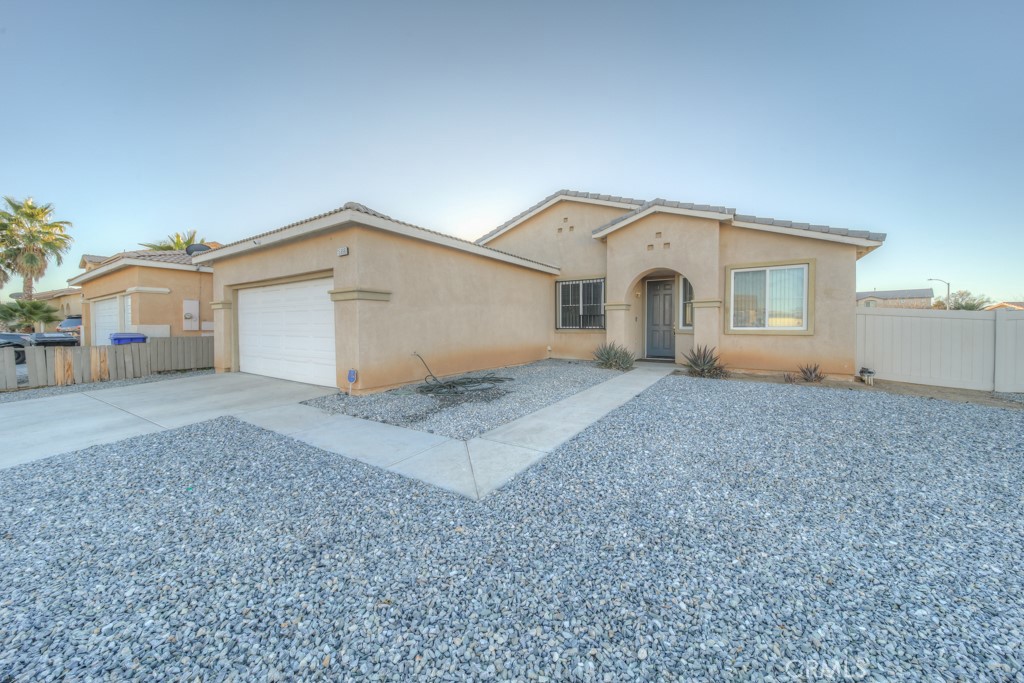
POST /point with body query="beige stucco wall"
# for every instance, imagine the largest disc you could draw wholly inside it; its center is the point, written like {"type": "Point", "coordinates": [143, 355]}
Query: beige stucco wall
{"type": "Point", "coordinates": [459, 311]}
{"type": "Point", "coordinates": [151, 308]}
{"type": "Point", "coordinates": [833, 342]}
{"type": "Point", "coordinates": [662, 246]}
{"type": "Point", "coordinates": [561, 235]}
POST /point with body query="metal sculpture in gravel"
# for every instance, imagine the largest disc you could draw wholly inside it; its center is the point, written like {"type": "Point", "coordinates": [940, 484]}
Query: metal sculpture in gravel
{"type": "Point", "coordinates": [434, 386]}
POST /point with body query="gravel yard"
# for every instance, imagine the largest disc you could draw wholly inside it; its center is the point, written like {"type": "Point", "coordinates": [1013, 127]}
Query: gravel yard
{"type": "Point", "coordinates": [704, 531]}
{"type": "Point", "coordinates": [533, 387]}
{"type": "Point", "coordinates": [25, 394]}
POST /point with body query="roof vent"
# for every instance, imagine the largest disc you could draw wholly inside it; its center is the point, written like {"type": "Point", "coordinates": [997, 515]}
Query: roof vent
{"type": "Point", "coordinates": [194, 249]}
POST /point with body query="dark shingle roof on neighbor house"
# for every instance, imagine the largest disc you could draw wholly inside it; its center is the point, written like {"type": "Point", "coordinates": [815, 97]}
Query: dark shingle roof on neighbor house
{"type": "Point", "coordinates": [361, 208]}
{"type": "Point", "coordinates": [49, 294]}
{"type": "Point", "coordinates": [897, 294]}
{"type": "Point", "coordinates": [642, 206]}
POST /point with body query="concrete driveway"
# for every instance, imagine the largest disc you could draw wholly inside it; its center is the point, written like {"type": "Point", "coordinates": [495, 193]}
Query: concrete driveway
{"type": "Point", "coordinates": [41, 427]}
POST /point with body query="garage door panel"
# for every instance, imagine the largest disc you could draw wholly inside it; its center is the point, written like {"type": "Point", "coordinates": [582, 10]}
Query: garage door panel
{"type": "Point", "coordinates": [105, 321]}
{"type": "Point", "coordinates": [287, 331]}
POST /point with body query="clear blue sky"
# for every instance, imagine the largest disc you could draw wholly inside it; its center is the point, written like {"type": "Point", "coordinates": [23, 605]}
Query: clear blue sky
{"type": "Point", "coordinates": [137, 119]}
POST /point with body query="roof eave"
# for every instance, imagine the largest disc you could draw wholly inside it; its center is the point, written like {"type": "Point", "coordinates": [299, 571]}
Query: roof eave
{"type": "Point", "coordinates": [353, 217]}
{"type": "Point", "coordinates": [129, 262]}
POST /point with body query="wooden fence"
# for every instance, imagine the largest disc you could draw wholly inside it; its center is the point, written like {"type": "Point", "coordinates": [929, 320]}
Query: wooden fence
{"type": "Point", "coordinates": [49, 366]}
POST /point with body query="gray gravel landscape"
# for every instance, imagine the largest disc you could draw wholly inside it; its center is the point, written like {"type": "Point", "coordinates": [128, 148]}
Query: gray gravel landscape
{"type": "Point", "coordinates": [704, 531]}
{"type": "Point", "coordinates": [41, 392]}
{"type": "Point", "coordinates": [531, 388]}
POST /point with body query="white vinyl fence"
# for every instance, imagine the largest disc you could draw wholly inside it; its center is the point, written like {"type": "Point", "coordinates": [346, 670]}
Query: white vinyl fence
{"type": "Point", "coordinates": [961, 349]}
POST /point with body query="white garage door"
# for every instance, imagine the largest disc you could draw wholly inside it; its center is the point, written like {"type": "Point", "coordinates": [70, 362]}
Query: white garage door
{"type": "Point", "coordinates": [105, 321]}
{"type": "Point", "coordinates": [287, 331]}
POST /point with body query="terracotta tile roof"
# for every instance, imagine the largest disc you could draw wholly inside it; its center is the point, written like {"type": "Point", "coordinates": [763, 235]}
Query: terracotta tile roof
{"type": "Point", "coordinates": [49, 294]}
{"type": "Point", "coordinates": [151, 255]}
{"type": "Point", "coordinates": [746, 218]}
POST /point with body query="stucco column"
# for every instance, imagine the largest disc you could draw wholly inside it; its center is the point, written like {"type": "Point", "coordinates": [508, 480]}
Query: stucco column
{"type": "Point", "coordinates": [707, 323]}
{"type": "Point", "coordinates": [615, 319]}
{"type": "Point", "coordinates": [223, 340]}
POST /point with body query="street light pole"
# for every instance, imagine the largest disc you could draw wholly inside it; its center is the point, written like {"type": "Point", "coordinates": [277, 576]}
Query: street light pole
{"type": "Point", "coordinates": [935, 279]}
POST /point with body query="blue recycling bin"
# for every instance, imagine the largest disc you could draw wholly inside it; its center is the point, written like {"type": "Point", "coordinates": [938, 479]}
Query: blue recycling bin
{"type": "Point", "coordinates": [118, 338]}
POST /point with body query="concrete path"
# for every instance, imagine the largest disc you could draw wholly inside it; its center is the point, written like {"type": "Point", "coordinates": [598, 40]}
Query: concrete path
{"type": "Point", "coordinates": [471, 468]}
{"type": "Point", "coordinates": [38, 428]}
{"type": "Point", "coordinates": [474, 468]}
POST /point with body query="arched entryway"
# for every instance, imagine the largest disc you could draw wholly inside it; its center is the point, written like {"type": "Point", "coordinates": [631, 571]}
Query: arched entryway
{"type": "Point", "coordinates": [658, 324]}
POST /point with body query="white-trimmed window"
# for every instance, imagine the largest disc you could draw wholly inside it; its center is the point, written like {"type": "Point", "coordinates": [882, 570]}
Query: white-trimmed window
{"type": "Point", "coordinates": [580, 304]}
{"type": "Point", "coordinates": [685, 303]}
{"type": "Point", "coordinates": [769, 298]}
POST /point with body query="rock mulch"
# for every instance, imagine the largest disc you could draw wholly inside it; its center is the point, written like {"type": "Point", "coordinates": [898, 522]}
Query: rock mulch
{"type": "Point", "coordinates": [465, 416]}
{"type": "Point", "coordinates": [704, 531]}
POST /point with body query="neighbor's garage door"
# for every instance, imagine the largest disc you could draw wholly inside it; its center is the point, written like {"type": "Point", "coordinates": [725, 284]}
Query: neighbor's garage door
{"type": "Point", "coordinates": [287, 331]}
{"type": "Point", "coordinates": [104, 321]}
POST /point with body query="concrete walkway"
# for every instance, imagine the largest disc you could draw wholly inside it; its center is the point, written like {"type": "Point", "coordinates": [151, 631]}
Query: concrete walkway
{"type": "Point", "coordinates": [471, 468]}
{"type": "Point", "coordinates": [69, 422]}
{"type": "Point", "coordinates": [40, 427]}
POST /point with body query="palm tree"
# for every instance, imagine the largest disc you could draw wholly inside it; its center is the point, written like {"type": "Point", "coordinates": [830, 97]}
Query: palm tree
{"type": "Point", "coordinates": [29, 238]}
{"type": "Point", "coordinates": [22, 315]}
{"type": "Point", "coordinates": [179, 241]}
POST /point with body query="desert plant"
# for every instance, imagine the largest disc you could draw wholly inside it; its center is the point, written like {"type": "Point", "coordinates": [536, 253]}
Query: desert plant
{"type": "Point", "coordinates": [811, 373]}
{"type": "Point", "coordinates": [21, 315]}
{"type": "Point", "coordinates": [704, 362]}
{"type": "Point", "coordinates": [179, 241]}
{"type": "Point", "coordinates": [614, 357]}
{"type": "Point", "coordinates": [789, 378]}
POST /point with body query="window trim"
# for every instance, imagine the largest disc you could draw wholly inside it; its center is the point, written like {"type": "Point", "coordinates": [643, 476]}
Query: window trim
{"type": "Point", "coordinates": [580, 282]}
{"type": "Point", "coordinates": [681, 286]}
{"type": "Point", "coordinates": [809, 298]}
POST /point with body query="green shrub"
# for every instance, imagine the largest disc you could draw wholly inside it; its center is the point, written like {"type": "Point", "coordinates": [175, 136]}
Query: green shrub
{"type": "Point", "coordinates": [704, 362]}
{"type": "Point", "coordinates": [614, 357]}
{"type": "Point", "coordinates": [811, 373]}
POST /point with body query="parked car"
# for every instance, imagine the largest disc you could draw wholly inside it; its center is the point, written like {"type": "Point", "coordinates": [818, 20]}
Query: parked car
{"type": "Point", "coordinates": [20, 340]}
{"type": "Point", "coordinates": [72, 325]}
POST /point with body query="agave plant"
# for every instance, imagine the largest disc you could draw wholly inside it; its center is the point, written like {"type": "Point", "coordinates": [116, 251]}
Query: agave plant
{"type": "Point", "coordinates": [811, 373]}
{"type": "Point", "coordinates": [614, 357]}
{"type": "Point", "coordinates": [704, 362]}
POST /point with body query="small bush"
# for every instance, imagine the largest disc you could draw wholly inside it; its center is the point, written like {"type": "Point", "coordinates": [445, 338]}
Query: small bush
{"type": "Point", "coordinates": [789, 378]}
{"type": "Point", "coordinates": [811, 373]}
{"type": "Point", "coordinates": [614, 357]}
{"type": "Point", "coordinates": [704, 362]}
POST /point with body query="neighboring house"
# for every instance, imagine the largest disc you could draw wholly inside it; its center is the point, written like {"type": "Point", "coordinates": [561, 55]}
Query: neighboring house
{"type": "Point", "coordinates": [1009, 305]}
{"type": "Point", "coordinates": [67, 301]}
{"type": "Point", "coordinates": [896, 298]}
{"type": "Point", "coordinates": [156, 293]}
{"type": "Point", "coordinates": [355, 289]}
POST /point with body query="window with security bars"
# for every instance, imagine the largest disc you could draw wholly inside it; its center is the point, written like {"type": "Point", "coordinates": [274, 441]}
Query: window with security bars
{"type": "Point", "coordinates": [580, 304]}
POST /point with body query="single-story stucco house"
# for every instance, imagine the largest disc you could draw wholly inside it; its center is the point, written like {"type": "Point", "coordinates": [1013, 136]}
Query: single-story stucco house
{"type": "Point", "coordinates": [896, 298]}
{"type": "Point", "coordinates": [67, 301]}
{"type": "Point", "coordinates": [156, 293]}
{"type": "Point", "coordinates": [354, 289]}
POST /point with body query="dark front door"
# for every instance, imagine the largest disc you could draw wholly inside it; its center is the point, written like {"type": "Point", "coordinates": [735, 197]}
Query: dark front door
{"type": "Point", "coordinates": [661, 337]}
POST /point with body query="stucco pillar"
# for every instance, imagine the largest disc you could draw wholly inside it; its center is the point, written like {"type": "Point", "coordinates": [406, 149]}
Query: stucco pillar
{"type": "Point", "coordinates": [615, 322]}
{"type": "Point", "coordinates": [707, 323]}
{"type": "Point", "coordinates": [223, 340]}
